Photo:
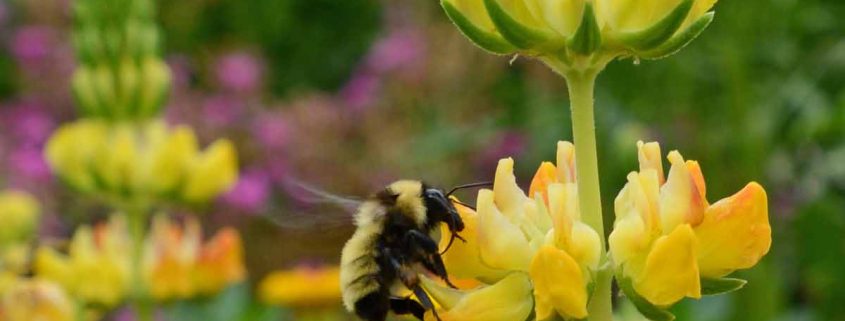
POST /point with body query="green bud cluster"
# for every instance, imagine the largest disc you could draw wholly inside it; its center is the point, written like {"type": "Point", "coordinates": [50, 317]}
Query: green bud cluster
{"type": "Point", "coordinates": [120, 73]}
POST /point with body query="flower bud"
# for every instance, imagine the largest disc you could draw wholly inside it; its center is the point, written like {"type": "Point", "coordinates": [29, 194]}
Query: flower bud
{"type": "Point", "coordinates": [19, 214]}
{"type": "Point", "coordinates": [577, 33]}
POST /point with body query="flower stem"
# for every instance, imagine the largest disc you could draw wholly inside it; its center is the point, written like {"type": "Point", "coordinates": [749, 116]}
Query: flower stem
{"type": "Point", "coordinates": [581, 90]}
{"type": "Point", "coordinates": [137, 220]}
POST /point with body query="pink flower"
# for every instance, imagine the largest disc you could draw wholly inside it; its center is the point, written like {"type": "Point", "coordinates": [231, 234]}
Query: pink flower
{"type": "Point", "coordinates": [271, 131]}
{"type": "Point", "coordinates": [400, 49]}
{"type": "Point", "coordinates": [27, 165]}
{"type": "Point", "coordinates": [32, 44]}
{"type": "Point", "coordinates": [239, 72]}
{"type": "Point", "coordinates": [250, 193]}
{"type": "Point", "coordinates": [361, 90]}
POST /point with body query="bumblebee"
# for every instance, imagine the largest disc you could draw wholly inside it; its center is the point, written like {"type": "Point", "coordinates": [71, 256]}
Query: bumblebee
{"type": "Point", "coordinates": [392, 244]}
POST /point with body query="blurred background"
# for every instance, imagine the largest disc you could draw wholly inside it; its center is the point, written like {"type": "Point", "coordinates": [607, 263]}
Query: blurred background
{"type": "Point", "coordinates": [350, 95]}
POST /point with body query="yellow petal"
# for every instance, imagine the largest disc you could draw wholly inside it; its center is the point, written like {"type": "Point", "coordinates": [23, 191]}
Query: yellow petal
{"type": "Point", "coordinates": [586, 245]}
{"type": "Point", "coordinates": [680, 200]}
{"type": "Point", "coordinates": [476, 12]}
{"type": "Point", "coordinates": [628, 241]}
{"type": "Point", "coordinates": [650, 158]}
{"type": "Point", "coordinates": [565, 162]}
{"type": "Point", "coordinates": [507, 300]}
{"type": "Point", "coordinates": [640, 197]}
{"type": "Point", "coordinates": [502, 245]}
{"type": "Point", "coordinates": [171, 158]}
{"type": "Point", "coordinates": [671, 271]}
{"type": "Point", "coordinates": [212, 173]}
{"type": "Point", "coordinates": [463, 259]}
{"type": "Point", "coordinates": [559, 284]}
{"type": "Point", "coordinates": [735, 232]}
{"type": "Point", "coordinates": [562, 16]}
{"type": "Point", "coordinates": [509, 197]}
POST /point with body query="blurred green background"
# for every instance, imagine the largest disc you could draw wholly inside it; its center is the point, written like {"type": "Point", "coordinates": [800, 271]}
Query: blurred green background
{"type": "Point", "coordinates": [350, 95]}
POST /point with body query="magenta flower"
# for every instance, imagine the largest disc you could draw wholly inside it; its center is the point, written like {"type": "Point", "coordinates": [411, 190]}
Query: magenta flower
{"type": "Point", "coordinates": [250, 193]}
{"type": "Point", "coordinates": [239, 72]}
{"type": "Point", "coordinates": [400, 50]}
{"type": "Point", "coordinates": [27, 166]}
{"type": "Point", "coordinates": [271, 131]}
{"type": "Point", "coordinates": [222, 110]}
{"type": "Point", "coordinates": [361, 90]}
{"type": "Point", "coordinates": [32, 44]}
{"type": "Point", "coordinates": [28, 124]}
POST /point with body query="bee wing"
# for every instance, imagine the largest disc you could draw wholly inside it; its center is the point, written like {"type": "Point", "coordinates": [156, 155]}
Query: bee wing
{"type": "Point", "coordinates": [316, 208]}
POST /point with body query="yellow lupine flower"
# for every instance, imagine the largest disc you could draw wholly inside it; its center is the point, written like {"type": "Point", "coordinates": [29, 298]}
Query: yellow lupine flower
{"type": "Point", "coordinates": [36, 300]}
{"type": "Point", "coordinates": [97, 266]}
{"type": "Point", "coordinates": [667, 237]}
{"type": "Point", "coordinates": [179, 266]}
{"type": "Point", "coordinates": [533, 251]}
{"type": "Point", "coordinates": [146, 160]}
{"type": "Point", "coordinates": [19, 214]}
{"type": "Point", "coordinates": [302, 287]}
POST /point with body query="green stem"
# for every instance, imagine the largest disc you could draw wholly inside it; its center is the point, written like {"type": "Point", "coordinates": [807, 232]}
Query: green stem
{"type": "Point", "coordinates": [581, 85]}
{"type": "Point", "coordinates": [137, 219]}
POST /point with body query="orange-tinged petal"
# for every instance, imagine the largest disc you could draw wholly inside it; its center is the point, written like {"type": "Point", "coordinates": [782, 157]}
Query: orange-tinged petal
{"type": "Point", "coordinates": [680, 200]}
{"type": "Point", "coordinates": [507, 300]}
{"type": "Point", "coordinates": [463, 259]}
{"type": "Point", "coordinates": [546, 174]}
{"type": "Point", "coordinates": [735, 232]}
{"type": "Point", "coordinates": [559, 284]}
{"type": "Point", "coordinates": [670, 271]}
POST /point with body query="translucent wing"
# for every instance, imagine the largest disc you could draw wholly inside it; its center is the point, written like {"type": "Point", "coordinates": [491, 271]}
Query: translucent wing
{"type": "Point", "coordinates": [314, 207]}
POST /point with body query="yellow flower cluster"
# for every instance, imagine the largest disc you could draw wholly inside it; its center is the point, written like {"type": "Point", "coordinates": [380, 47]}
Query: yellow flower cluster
{"type": "Point", "coordinates": [668, 240]}
{"type": "Point", "coordinates": [176, 264]}
{"type": "Point", "coordinates": [142, 161]}
{"type": "Point", "coordinates": [532, 250]}
{"type": "Point", "coordinates": [302, 287]}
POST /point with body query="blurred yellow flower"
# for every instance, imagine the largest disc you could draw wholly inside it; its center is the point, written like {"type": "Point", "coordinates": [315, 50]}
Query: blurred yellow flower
{"type": "Point", "coordinates": [36, 300]}
{"type": "Point", "coordinates": [179, 266]}
{"type": "Point", "coordinates": [302, 286]}
{"type": "Point", "coordinates": [97, 267]}
{"type": "Point", "coordinates": [143, 160]}
{"type": "Point", "coordinates": [668, 239]}
{"type": "Point", "coordinates": [533, 251]}
{"type": "Point", "coordinates": [19, 214]}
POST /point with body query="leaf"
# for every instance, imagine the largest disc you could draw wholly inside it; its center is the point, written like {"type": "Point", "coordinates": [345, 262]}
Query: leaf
{"type": "Point", "coordinates": [680, 40]}
{"type": "Point", "coordinates": [647, 309]}
{"type": "Point", "coordinates": [489, 41]}
{"type": "Point", "coordinates": [713, 286]}
{"type": "Point", "coordinates": [587, 37]}
{"type": "Point", "coordinates": [661, 31]}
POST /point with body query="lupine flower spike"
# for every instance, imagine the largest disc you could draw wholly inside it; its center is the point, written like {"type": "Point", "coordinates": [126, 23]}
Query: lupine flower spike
{"type": "Point", "coordinates": [669, 242]}
{"type": "Point", "coordinates": [532, 251]}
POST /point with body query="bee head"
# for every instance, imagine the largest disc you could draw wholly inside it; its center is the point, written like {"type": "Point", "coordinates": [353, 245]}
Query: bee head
{"type": "Point", "coordinates": [440, 209]}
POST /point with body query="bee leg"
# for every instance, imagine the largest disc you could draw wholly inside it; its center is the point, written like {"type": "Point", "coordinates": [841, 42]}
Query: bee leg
{"type": "Point", "coordinates": [425, 301]}
{"type": "Point", "coordinates": [417, 241]}
{"type": "Point", "coordinates": [407, 306]}
{"type": "Point", "coordinates": [373, 306]}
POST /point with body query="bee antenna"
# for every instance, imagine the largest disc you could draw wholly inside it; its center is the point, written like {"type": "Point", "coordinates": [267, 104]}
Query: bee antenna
{"type": "Point", "coordinates": [471, 185]}
{"type": "Point", "coordinates": [464, 204]}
